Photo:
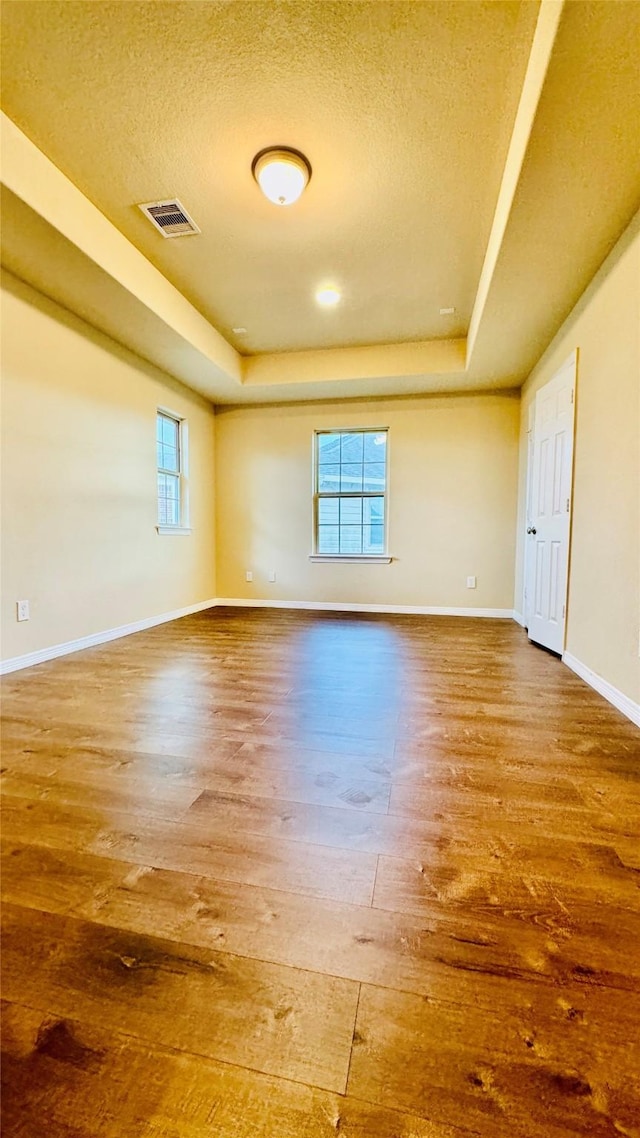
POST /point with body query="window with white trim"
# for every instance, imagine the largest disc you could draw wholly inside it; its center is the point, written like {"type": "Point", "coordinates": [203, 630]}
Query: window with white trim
{"type": "Point", "coordinates": [350, 495]}
{"type": "Point", "coordinates": [169, 447]}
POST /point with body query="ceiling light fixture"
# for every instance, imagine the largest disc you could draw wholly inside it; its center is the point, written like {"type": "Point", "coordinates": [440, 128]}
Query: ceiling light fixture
{"type": "Point", "coordinates": [328, 296]}
{"type": "Point", "coordinates": [281, 173]}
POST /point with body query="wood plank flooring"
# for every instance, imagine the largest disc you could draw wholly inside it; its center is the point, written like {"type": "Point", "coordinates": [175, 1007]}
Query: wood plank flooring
{"type": "Point", "coordinates": [279, 874]}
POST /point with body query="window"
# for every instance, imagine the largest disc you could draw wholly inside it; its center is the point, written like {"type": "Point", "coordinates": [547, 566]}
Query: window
{"type": "Point", "coordinates": [170, 447]}
{"type": "Point", "coordinates": [350, 493]}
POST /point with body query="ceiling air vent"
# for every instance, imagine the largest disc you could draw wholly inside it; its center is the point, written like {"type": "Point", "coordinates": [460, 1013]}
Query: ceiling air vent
{"type": "Point", "coordinates": [170, 218]}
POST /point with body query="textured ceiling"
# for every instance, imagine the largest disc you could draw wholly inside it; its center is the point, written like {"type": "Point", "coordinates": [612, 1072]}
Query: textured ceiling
{"type": "Point", "coordinates": [404, 110]}
{"type": "Point", "coordinates": [481, 155]}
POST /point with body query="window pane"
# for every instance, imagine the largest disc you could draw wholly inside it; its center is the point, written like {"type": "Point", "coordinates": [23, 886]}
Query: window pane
{"type": "Point", "coordinates": [168, 512]}
{"type": "Point", "coordinates": [172, 512]}
{"type": "Point", "coordinates": [375, 446]}
{"type": "Point", "coordinates": [374, 511]}
{"type": "Point", "coordinates": [351, 511]}
{"type": "Point", "coordinates": [328, 511]}
{"type": "Point", "coordinates": [351, 539]}
{"type": "Point", "coordinates": [352, 448]}
{"type": "Point", "coordinates": [328, 448]}
{"type": "Point", "coordinates": [328, 539]}
{"type": "Point", "coordinates": [170, 431]}
{"type": "Point", "coordinates": [328, 478]}
{"type": "Point", "coordinates": [168, 500]}
{"type": "Point", "coordinates": [169, 457]}
{"type": "Point", "coordinates": [374, 476]}
{"type": "Point", "coordinates": [350, 477]}
{"type": "Point", "coordinates": [172, 488]}
{"type": "Point", "coordinates": [373, 541]}
{"type": "Point", "coordinates": [351, 463]}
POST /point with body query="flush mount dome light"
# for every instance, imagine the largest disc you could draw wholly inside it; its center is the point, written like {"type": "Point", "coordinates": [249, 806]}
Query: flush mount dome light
{"type": "Point", "coordinates": [281, 173]}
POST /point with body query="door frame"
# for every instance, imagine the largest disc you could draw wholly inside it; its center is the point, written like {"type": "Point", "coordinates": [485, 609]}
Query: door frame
{"type": "Point", "coordinates": [527, 589]}
{"type": "Point", "coordinates": [526, 566]}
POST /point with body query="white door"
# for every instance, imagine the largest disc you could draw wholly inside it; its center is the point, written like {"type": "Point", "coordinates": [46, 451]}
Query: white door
{"type": "Point", "coordinates": [549, 520]}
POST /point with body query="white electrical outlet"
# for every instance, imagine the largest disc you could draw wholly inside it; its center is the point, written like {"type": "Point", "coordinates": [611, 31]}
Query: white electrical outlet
{"type": "Point", "coordinates": [471, 582]}
{"type": "Point", "coordinates": [272, 575]}
{"type": "Point", "coordinates": [22, 610]}
{"type": "Point", "coordinates": [248, 575]}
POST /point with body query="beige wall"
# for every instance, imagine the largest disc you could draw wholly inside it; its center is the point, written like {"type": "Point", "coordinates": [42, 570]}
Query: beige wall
{"type": "Point", "coordinates": [78, 488]}
{"type": "Point", "coordinates": [79, 539]}
{"type": "Point", "coordinates": [452, 473]}
{"type": "Point", "coordinates": [603, 614]}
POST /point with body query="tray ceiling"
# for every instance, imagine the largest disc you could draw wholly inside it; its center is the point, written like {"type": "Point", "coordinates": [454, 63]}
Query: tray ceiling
{"type": "Point", "coordinates": [442, 137]}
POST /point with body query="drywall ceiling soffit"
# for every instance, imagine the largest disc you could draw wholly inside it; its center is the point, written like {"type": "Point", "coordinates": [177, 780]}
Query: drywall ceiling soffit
{"type": "Point", "coordinates": [525, 175]}
{"type": "Point", "coordinates": [579, 187]}
{"type": "Point", "coordinates": [33, 251]}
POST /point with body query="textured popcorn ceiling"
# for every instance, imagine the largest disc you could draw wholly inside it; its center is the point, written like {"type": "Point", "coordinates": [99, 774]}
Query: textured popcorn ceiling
{"type": "Point", "coordinates": [404, 110]}
{"type": "Point", "coordinates": [410, 114]}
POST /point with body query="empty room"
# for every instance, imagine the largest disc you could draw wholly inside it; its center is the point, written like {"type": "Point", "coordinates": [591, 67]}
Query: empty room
{"type": "Point", "coordinates": [320, 554]}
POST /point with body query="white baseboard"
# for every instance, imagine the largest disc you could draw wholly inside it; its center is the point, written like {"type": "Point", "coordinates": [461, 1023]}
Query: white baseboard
{"type": "Point", "coordinates": [518, 617]}
{"type": "Point", "coordinates": [338, 606]}
{"type": "Point", "coordinates": [604, 688]}
{"type": "Point", "coordinates": [17, 662]}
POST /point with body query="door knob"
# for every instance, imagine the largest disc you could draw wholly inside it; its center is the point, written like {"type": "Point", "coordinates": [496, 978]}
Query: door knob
{"type": "Point", "coordinates": [531, 529]}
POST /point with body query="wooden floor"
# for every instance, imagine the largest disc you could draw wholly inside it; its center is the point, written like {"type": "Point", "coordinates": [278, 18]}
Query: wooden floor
{"type": "Point", "coordinates": [270, 875]}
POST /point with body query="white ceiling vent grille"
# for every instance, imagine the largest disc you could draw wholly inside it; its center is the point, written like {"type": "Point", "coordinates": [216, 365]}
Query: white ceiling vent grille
{"type": "Point", "coordinates": [170, 218]}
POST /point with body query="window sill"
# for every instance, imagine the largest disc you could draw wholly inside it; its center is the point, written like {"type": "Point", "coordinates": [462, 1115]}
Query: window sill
{"type": "Point", "coordinates": [354, 559]}
{"type": "Point", "coordinates": [173, 531]}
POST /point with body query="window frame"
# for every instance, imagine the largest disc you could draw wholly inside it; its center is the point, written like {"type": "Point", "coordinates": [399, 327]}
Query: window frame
{"type": "Point", "coordinates": [383, 558]}
{"type": "Point", "coordinates": [181, 527]}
